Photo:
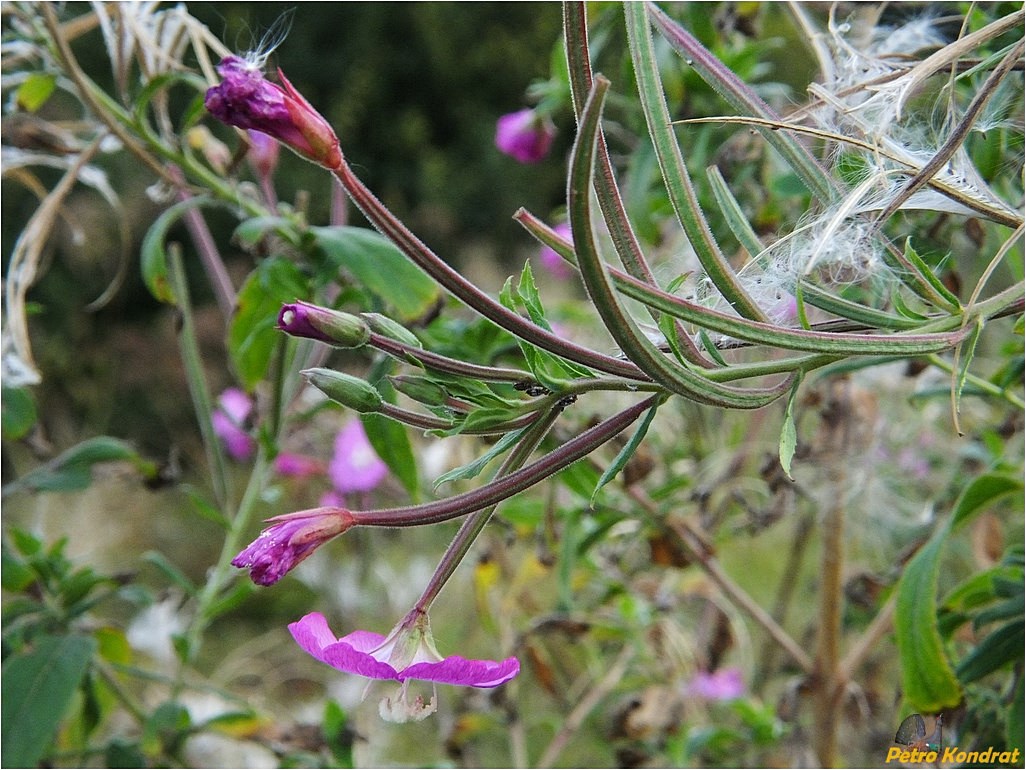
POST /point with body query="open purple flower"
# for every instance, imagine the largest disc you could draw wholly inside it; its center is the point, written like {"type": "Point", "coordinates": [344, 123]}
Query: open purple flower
{"type": "Point", "coordinates": [245, 99]}
{"type": "Point", "coordinates": [723, 684]}
{"type": "Point", "coordinates": [298, 466]}
{"type": "Point", "coordinates": [524, 135]}
{"type": "Point", "coordinates": [292, 538]}
{"type": "Point", "coordinates": [355, 466]}
{"type": "Point", "coordinates": [229, 420]}
{"type": "Point", "coordinates": [405, 654]}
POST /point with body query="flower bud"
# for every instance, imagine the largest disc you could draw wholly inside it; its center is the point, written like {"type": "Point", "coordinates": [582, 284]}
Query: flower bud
{"type": "Point", "coordinates": [344, 330]}
{"type": "Point", "coordinates": [420, 389]}
{"type": "Point", "coordinates": [245, 99]}
{"type": "Point", "coordinates": [386, 327]}
{"type": "Point", "coordinates": [347, 390]}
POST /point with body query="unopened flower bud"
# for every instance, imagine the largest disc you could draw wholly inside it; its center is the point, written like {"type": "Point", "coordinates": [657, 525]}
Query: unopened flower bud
{"type": "Point", "coordinates": [420, 389]}
{"type": "Point", "coordinates": [347, 390]}
{"type": "Point", "coordinates": [386, 327]}
{"type": "Point", "coordinates": [344, 330]}
{"type": "Point", "coordinates": [245, 99]}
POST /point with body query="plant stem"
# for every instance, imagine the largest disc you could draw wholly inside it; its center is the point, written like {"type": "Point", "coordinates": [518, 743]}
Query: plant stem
{"type": "Point", "coordinates": [467, 292]}
{"type": "Point", "coordinates": [475, 523]}
{"type": "Point", "coordinates": [827, 687]}
{"type": "Point", "coordinates": [507, 486]}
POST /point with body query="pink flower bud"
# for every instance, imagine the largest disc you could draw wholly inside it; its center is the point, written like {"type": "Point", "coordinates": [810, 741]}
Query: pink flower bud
{"type": "Point", "coordinates": [524, 135]}
{"type": "Point", "coordinates": [245, 99]}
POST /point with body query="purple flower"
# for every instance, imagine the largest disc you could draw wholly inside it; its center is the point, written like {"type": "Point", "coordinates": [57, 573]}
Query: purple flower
{"type": "Point", "coordinates": [297, 465]}
{"type": "Point", "coordinates": [724, 684]}
{"type": "Point", "coordinates": [263, 154]}
{"type": "Point", "coordinates": [524, 135]}
{"type": "Point", "coordinates": [245, 99]}
{"type": "Point", "coordinates": [550, 260]}
{"type": "Point", "coordinates": [355, 467]}
{"type": "Point", "coordinates": [405, 654]}
{"type": "Point", "coordinates": [293, 537]}
{"type": "Point", "coordinates": [229, 418]}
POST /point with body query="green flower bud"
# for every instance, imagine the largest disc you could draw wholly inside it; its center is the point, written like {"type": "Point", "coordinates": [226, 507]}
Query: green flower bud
{"type": "Point", "coordinates": [386, 327]}
{"type": "Point", "coordinates": [347, 390]}
{"type": "Point", "coordinates": [420, 389]}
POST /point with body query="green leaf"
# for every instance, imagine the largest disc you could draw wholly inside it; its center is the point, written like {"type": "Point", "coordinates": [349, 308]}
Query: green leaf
{"type": "Point", "coordinates": [473, 469]}
{"type": "Point", "coordinates": [625, 454]}
{"type": "Point", "coordinates": [166, 728]}
{"type": "Point", "coordinates": [928, 681]}
{"type": "Point", "coordinates": [123, 754]}
{"type": "Point", "coordinates": [252, 335]}
{"type": "Point", "coordinates": [1017, 717]}
{"type": "Point", "coordinates": [390, 441]}
{"type": "Point", "coordinates": [380, 268]}
{"type": "Point", "coordinates": [37, 688]}
{"type": "Point", "coordinates": [965, 357]}
{"type": "Point", "coordinates": [930, 277]}
{"type": "Point", "coordinates": [35, 90]}
{"type": "Point", "coordinates": [982, 491]}
{"type": "Point", "coordinates": [549, 370]}
{"type": "Point", "coordinates": [70, 470]}
{"type": "Point", "coordinates": [998, 649]}
{"type": "Point", "coordinates": [788, 431]}
{"type": "Point", "coordinates": [170, 571]}
{"type": "Point", "coordinates": [154, 257]}
{"type": "Point", "coordinates": [19, 413]}
{"type": "Point", "coordinates": [250, 232]}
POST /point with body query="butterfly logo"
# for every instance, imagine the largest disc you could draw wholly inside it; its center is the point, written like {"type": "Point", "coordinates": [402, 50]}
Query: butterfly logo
{"type": "Point", "coordinates": [912, 733]}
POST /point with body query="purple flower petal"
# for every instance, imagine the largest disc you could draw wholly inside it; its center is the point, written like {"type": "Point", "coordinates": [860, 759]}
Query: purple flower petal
{"type": "Point", "coordinates": [228, 420]}
{"type": "Point", "coordinates": [355, 467]}
{"type": "Point", "coordinates": [460, 671]}
{"type": "Point", "coordinates": [291, 538]}
{"type": "Point", "coordinates": [724, 684]}
{"type": "Point", "coordinates": [524, 136]}
{"type": "Point", "coordinates": [245, 99]}
{"type": "Point", "coordinates": [362, 652]}
{"type": "Point", "coordinates": [297, 465]}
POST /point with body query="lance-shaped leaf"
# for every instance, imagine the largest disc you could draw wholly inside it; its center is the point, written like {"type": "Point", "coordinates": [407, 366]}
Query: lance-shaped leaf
{"type": "Point", "coordinates": [620, 325]}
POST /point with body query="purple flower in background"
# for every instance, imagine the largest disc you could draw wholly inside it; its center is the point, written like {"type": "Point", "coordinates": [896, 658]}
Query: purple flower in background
{"type": "Point", "coordinates": [405, 654]}
{"type": "Point", "coordinates": [524, 135]}
{"type": "Point", "coordinates": [263, 153]}
{"type": "Point", "coordinates": [245, 99]}
{"type": "Point", "coordinates": [291, 538]}
{"type": "Point", "coordinates": [297, 465]}
{"type": "Point", "coordinates": [229, 418]}
{"type": "Point", "coordinates": [550, 260]}
{"type": "Point", "coordinates": [355, 467]}
{"type": "Point", "coordinates": [724, 684]}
